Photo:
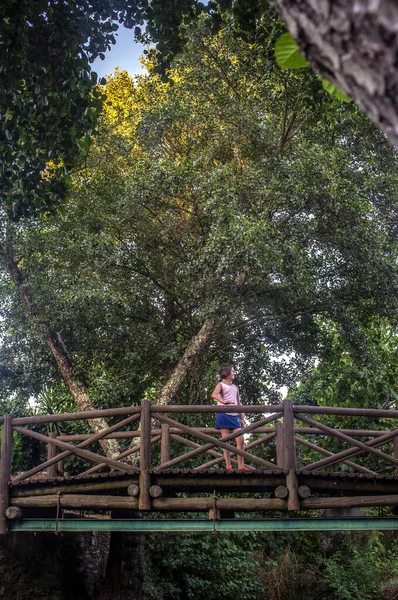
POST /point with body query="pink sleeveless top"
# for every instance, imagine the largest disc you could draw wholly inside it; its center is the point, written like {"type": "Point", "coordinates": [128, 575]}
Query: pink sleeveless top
{"type": "Point", "coordinates": [230, 393]}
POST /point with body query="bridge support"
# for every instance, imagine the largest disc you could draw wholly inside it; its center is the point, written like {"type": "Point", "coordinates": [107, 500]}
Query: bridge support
{"type": "Point", "coordinates": [293, 502]}
{"type": "Point", "coordinates": [144, 502]}
{"type": "Point", "coordinates": [51, 453]}
{"type": "Point", "coordinates": [204, 525]}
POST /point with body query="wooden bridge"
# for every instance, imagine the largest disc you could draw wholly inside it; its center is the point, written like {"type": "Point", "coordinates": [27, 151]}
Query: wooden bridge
{"type": "Point", "coordinates": [301, 464]}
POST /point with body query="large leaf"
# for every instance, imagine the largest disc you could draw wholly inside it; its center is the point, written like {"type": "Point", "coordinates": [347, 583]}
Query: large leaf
{"type": "Point", "coordinates": [334, 91]}
{"type": "Point", "coordinates": [287, 53]}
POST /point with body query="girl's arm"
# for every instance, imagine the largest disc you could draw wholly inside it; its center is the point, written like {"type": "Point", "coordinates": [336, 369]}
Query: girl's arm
{"type": "Point", "coordinates": [216, 395]}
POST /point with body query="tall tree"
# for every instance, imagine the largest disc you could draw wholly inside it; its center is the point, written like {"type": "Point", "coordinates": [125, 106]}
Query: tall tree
{"type": "Point", "coordinates": [219, 197]}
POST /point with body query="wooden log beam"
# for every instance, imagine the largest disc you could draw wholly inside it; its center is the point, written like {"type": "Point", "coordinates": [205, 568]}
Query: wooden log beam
{"type": "Point", "coordinates": [208, 408]}
{"type": "Point", "coordinates": [14, 513]}
{"type": "Point", "coordinates": [158, 504]}
{"type": "Point", "coordinates": [262, 440]}
{"type": "Point", "coordinates": [79, 437]}
{"type": "Point", "coordinates": [165, 443]}
{"type": "Point", "coordinates": [350, 486]}
{"type": "Point", "coordinates": [218, 455]}
{"type": "Point", "coordinates": [349, 502]}
{"type": "Point", "coordinates": [395, 450]}
{"type": "Point", "coordinates": [191, 444]}
{"type": "Point", "coordinates": [352, 432]}
{"type": "Point", "coordinates": [350, 452]}
{"type": "Point", "coordinates": [203, 449]}
{"type": "Point", "coordinates": [60, 467]}
{"type": "Point", "coordinates": [5, 470]}
{"type": "Point", "coordinates": [124, 454]}
{"type": "Point", "coordinates": [200, 504]}
{"type": "Point", "coordinates": [155, 491]}
{"type": "Point", "coordinates": [364, 447]}
{"type": "Point", "coordinates": [78, 416]}
{"type": "Point", "coordinates": [51, 453]}
{"type": "Point", "coordinates": [304, 491]}
{"type": "Point", "coordinates": [344, 412]}
{"type": "Point", "coordinates": [79, 501]}
{"type": "Point", "coordinates": [72, 487]}
{"type": "Point", "coordinates": [213, 442]}
{"type": "Point", "coordinates": [253, 409]}
{"type": "Point", "coordinates": [281, 491]}
{"type": "Point", "coordinates": [145, 456]}
{"type": "Point", "coordinates": [133, 490]}
{"type": "Point", "coordinates": [349, 463]}
{"type": "Point", "coordinates": [117, 435]}
{"type": "Point", "coordinates": [280, 446]}
{"type": "Point", "coordinates": [293, 502]}
{"type": "Point", "coordinates": [197, 483]}
{"type": "Point", "coordinates": [203, 483]}
{"type": "Point", "coordinates": [87, 442]}
{"type": "Point", "coordinates": [219, 481]}
{"type": "Point", "coordinates": [91, 456]}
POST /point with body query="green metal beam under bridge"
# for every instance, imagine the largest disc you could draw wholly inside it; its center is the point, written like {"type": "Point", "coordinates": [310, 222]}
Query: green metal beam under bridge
{"type": "Point", "coordinates": [202, 525]}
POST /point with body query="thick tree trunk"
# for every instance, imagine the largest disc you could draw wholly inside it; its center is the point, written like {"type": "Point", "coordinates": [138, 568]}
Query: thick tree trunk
{"type": "Point", "coordinates": [57, 347]}
{"type": "Point", "coordinates": [196, 346]}
{"type": "Point", "coordinates": [78, 391]}
{"type": "Point", "coordinates": [124, 576]}
{"type": "Point", "coordinates": [355, 46]}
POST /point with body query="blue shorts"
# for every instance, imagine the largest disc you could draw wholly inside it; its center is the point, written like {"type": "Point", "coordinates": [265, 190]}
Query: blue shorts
{"type": "Point", "coordinates": [224, 421]}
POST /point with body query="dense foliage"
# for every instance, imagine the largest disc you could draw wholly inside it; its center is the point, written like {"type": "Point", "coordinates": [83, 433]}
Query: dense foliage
{"type": "Point", "coordinates": [231, 192]}
{"type": "Point", "coordinates": [251, 201]}
{"type": "Point", "coordinates": [279, 566]}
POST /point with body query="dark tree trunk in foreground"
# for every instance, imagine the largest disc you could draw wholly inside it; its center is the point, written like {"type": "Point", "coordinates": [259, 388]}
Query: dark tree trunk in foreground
{"type": "Point", "coordinates": [123, 580]}
{"type": "Point", "coordinates": [53, 567]}
{"type": "Point", "coordinates": [355, 46]}
{"type": "Point", "coordinates": [78, 566]}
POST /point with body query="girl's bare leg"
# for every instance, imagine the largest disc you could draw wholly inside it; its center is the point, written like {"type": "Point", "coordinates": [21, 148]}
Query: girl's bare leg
{"type": "Point", "coordinates": [227, 454]}
{"type": "Point", "coordinates": [240, 442]}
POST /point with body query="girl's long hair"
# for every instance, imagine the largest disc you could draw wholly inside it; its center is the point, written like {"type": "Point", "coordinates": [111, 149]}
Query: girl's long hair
{"type": "Point", "coordinates": [224, 371]}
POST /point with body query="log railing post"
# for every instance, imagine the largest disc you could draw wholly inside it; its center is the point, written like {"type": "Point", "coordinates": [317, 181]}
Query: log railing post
{"type": "Point", "coordinates": [395, 448]}
{"type": "Point", "coordinates": [290, 456]}
{"type": "Point", "coordinates": [51, 453]}
{"type": "Point", "coordinates": [60, 467]}
{"type": "Point", "coordinates": [165, 443]}
{"type": "Point", "coordinates": [5, 470]}
{"type": "Point", "coordinates": [280, 446]}
{"type": "Point", "coordinates": [145, 456]}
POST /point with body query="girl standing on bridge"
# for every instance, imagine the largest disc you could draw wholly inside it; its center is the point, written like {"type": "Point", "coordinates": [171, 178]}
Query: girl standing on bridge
{"type": "Point", "coordinates": [227, 393]}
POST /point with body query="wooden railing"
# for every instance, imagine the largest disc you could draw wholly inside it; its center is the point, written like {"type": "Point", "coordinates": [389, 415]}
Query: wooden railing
{"type": "Point", "coordinates": [278, 439]}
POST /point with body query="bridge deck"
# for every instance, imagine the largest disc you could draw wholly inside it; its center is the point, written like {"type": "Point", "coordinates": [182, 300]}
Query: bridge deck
{"type": "Point", "coordinates": [258, 490]}
{"type": "Point", "coordinates": [208, 478]}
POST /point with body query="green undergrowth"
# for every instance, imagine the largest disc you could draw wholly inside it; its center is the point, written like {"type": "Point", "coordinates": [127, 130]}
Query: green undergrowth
{"type": "Point", "coordinates": [276, 566]}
